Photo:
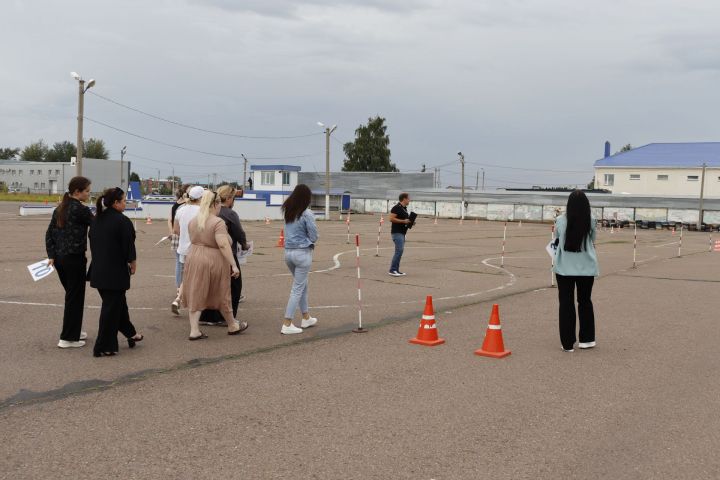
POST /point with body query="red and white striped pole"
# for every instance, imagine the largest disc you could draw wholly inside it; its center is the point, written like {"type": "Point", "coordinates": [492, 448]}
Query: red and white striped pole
{"type": "Point", "coordinates": [552, 259]}
{"type": "Point", "coordinates": [360, 328]}
{"type": "Point", "coordinates": [377, 247]}
{"type": "Point", "coordinates": [347, 221]}
{"type": "Point", "coordinates": [680, 244]}
{"type": "Point", "coordinates": [635, 248]}
{"type": "Point", "coordinates": [502, 256]}
{"type": "Point", "coordinates": [710, 243]}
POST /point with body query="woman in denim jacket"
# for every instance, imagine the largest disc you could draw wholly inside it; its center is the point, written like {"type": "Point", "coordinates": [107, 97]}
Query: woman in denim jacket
{"type": "Point", "coordinates": [300, 236]}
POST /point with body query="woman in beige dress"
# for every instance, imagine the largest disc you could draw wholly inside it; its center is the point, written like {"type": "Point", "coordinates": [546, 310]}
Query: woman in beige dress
{"type": "Point", "coordinates": [209, 267]}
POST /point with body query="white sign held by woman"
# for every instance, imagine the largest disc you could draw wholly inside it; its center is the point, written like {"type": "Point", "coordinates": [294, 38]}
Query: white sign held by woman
{"type": "Point", "coordinates": [40, 270]}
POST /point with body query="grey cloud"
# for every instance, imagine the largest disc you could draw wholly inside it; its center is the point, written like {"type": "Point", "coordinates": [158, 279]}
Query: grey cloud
{"type": "Point", "coordinates": [290, 8]}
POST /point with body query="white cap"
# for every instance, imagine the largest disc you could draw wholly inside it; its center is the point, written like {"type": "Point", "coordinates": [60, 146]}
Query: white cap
{"type": "Point", "coordinates": [196, 192]}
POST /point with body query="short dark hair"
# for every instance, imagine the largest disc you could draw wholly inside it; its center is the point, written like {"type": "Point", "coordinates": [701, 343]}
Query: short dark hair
{"type": "Point", "coordinates": [403, 196]}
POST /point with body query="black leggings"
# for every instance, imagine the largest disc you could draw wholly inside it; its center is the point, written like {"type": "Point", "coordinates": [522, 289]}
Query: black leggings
{"type": "Point", "coordinates": [114, 317]}
{"type": "Point", "coordinates": [566, 295]}
{"type": "Point", "coordinates": [72, 272]}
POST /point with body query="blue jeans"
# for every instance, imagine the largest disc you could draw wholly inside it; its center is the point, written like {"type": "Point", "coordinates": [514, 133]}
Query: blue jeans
{"type": "Point", "coordinates": [179, 268]}
{"type": "Point", "coordinates": [298, 261]}
{"type": "Point", "coordinates": [399, 241]}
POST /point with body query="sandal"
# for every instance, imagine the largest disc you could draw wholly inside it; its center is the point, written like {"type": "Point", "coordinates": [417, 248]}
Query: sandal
{"type": "Point", "coordinates": [242, 326]}
{"type": "Point", "coordinates": [104, 354]}
{"type": "Point", "coordinates": [200, 337]}
{"type": "Point", "coordinates": [132, 340]}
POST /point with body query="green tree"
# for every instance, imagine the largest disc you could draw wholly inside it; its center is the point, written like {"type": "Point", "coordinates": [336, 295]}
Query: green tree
{"type": "Point", "coordinates": [95, 148]}
{"type": "Point", "coordinates": [61, 152]}
{"type": "Point", "coordinates": [134, 177]}
{"type": "Point", "coordinates": [35, 152]}
{"type": "Point", "coordinates": [9, 153]}
{"type": "Point", "coordinates": [370, 152]}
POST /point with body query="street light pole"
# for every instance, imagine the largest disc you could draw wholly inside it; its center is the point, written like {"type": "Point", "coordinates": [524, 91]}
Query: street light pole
{"type": "Point", "coordinates": [483, 180]}
{"type": "Point", "coordinates": [702, 199]}
{"type": "Point", "coordinates": [81, 106]}
{"type": "Point", "coordinates": [244, 170]}
{"type": "Point", "coordinates": [328, 131]}
{"type": "Point", "coordinates": [462, 185]}
{"type": "Point", "coordinates": [122, 157]}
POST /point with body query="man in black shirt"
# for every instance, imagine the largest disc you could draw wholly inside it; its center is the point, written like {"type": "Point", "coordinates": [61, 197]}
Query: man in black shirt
{"type": "Point", "coordinates": [400, 222]}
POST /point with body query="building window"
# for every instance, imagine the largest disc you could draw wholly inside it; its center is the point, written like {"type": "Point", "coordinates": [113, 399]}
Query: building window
{"type": "Point", "coordinates": [20, 172]}
{"type": "Point", "coordinates": [609, 179]}
{"type": "Point", "coordinates": [32, 172]}
{"type": "Point", "coordinates": [39, 172]}
{"type": "Point", "coordinates": [57, 172]}
{"type": "Point", "coordinates": [36, 185]}
{"type": "Point", "coordinates": [42, 185]}
{"type": "Point", "coordinates": [267, 178]}
{"type": "Point", "coordinates": [692, 178]}
{"type": "Point", "coordinates": [634, 176]}
{"type": "Point", "coordinates": [14, 172]}
{"type": "Point", "coordinates": [286, 178]}
{"type": "Point", "coordinates": [662, 178]}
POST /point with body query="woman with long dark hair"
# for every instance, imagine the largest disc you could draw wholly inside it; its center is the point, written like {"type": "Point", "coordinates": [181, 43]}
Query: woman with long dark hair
{"type": "Point", "coordinates": [66, 244]}
{"type": "Point", "coordinates": [112, 244]}
{"type": "Point", "coordinates": [576, 265]}
{"type": "Point", "coordinates": [300, 236]}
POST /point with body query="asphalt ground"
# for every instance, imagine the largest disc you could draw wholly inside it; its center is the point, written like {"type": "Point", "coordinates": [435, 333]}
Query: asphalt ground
{"type": "Point", "coordinates": [333, 404]}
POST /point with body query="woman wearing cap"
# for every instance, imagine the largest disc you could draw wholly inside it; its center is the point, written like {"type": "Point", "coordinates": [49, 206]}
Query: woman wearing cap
{"type": "Point", "coordinates": [112, 244]}
{"type": "Point", "coordinates": [183, 216]}
{"type": "Point", "coordinates": [576, 265]}
{"type": "Point", "coordinates": [300, 236]}
{"type": "Point", "coordinates": [208, 267]}
{"type": "Point", "coordinates": [66, 244]}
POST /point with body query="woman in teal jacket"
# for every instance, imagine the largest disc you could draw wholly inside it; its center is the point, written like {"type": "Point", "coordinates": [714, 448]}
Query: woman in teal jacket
{"type": "Point", "coordinates": [576, 265]}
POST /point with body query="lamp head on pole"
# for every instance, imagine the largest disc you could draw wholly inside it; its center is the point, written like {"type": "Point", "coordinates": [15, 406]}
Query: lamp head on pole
{"type": "Point", "coordinates": [75, 75]}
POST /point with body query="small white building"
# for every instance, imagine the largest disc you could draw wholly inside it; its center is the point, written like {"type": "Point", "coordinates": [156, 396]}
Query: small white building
{"type": "Point", "coordinates": [662, 169]}
{"type": "Point", "coordinates": [274, 178]}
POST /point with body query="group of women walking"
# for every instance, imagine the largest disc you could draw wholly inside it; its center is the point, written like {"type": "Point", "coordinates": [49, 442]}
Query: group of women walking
{"type": "Point", "coordinates": [207, 237]}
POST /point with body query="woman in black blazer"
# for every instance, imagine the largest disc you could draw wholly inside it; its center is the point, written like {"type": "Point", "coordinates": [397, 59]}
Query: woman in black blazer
{"type": "Point", "coordinates": [112, 244]}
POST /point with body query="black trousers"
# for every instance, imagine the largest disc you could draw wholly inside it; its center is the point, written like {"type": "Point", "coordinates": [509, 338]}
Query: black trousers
{"type": "Point", "coordinates": [566, 295]}
{"type": "Point", "coordinates": [73, 274]}
{"type": "Point", "coordinates": [114, 318]}
{"type": "Point", "coordinates": [235, 292]}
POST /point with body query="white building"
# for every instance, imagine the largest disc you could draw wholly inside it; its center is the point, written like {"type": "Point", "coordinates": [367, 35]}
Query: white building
{"type": "Point", "coordinates": [274, 178]}
{"type": "Point", "coordinates": [662, 169]}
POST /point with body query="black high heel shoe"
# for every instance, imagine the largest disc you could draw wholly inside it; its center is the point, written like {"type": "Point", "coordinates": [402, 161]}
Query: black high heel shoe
{"type": "Point", "coordinates": [132, 341]}
{"type": "Point", "coordinates": [104, 354]}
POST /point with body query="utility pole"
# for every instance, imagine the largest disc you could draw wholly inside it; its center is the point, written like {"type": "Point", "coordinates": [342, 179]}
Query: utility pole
{"type": "Point", "coordinates": [702, 193]}
{"type": "Point", "coordinates": [328, 131]}
{"type": "Point", "coordinates": [81, 106]}
{"type": "Point", "coordinates": [462, 186]}
{"type": "Point", "coordinates": [122, 156]}
{"type": "Point", "coordinates": [477, 180]}
{"type": "Point", "coordinates": [158, 181]}
{"type": "Point", "coordinates": [173, 179]}
{"type": "Point", "coordinates": [483, 181]}
{"type": "Point", "coordinates": [244, 182]}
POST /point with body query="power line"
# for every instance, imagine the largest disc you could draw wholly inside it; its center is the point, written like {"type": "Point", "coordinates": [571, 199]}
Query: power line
{"type": "Point", "coordinates": [488, 165]}
{"type": "Point", "coordinates": [199, 129]}
{"type": "Point", "coordinates": [180, 147]}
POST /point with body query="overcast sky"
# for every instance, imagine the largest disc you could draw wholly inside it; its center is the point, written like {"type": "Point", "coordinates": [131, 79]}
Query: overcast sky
{"type": "Point", "coordinates": [522, 84]}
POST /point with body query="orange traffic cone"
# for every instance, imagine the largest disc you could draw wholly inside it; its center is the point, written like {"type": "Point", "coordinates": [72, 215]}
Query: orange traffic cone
{"type": "Point", "coordinates": [717, 246]}
{"type": "Point", "coordinates": [281, 240]}
{"type": "Point", "coordinates": [427, 333]}
{"type": "Point", "coordinates": [267, 220]}
{"type": "Point", "coordinates": [148, 221]}
{"type": "Point", "coordinates": [493, 345]}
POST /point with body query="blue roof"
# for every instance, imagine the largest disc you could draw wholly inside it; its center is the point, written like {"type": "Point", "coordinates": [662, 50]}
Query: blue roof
{"type": "Point", "coordinates": [669, 155]}
{"type": "Point", "coordinates": [286, 168]}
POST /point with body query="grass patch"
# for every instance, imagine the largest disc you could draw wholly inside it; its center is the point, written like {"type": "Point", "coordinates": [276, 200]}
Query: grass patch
{"type": "Point", "coordinates": [29, 197]}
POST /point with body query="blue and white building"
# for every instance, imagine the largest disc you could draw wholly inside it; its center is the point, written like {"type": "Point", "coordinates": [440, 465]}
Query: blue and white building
{"type": "Point", "coordinates": [661, 169]}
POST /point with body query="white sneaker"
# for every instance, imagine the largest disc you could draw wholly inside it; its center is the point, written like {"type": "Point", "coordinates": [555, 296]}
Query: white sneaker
{"type": "Point", "coordinates": [175, 307]}
{"type": "Point", "coordinates": [394, 273]}
{"type": "Point", "coordinates": [67, 344]}
{"type": "Point", "coordinates": [290, 329]}
{"type": "Point", "coordinates": [584, 345]}
{"type": "Point", "coordinates": [83, 335]}
{"type": "Point", "coordinates": [309, 322]}
{"type": "Point", "coordinates": [568, 351]}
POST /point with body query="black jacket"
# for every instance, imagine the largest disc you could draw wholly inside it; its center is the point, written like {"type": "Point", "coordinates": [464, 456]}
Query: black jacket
{"type": "Point", "coordinates": [235, 230]}
{"type": "Point", "coordinates": [71, 239]}
{"type": "Point", "coordinates": [112, 245]}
